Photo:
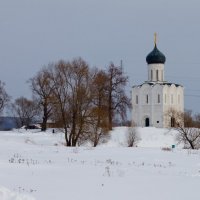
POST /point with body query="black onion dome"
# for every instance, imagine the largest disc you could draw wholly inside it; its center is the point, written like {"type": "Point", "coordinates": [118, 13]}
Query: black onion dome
{"type": "Point", "coordinates": [155, 57]}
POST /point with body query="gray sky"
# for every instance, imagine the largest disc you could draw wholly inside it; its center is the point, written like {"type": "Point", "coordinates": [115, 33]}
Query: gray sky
{"type": "Point", "coordinates": [36, 32]}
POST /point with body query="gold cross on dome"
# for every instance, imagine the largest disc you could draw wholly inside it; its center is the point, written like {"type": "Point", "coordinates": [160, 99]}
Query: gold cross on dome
{"type": "Point", "coordinates": [155, 38]}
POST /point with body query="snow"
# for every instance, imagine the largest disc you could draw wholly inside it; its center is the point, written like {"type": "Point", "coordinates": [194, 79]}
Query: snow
{"type": "Point", "coordinates": [35, 165]}
{"type": "Point", "coordinates": [149, 137]}
{"type": "Point", "coordinates": [8, 195]}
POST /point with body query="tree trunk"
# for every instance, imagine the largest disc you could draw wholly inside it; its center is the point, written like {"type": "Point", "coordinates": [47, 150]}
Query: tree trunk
{"type": "Point", "coordinates": [191, 144]}
{"type": "Point", "coordinates": [110, 112]}
{"type": "Point", "coordinates": [44, 124]}
{"type": "Point", "coordinates": [45, 117]}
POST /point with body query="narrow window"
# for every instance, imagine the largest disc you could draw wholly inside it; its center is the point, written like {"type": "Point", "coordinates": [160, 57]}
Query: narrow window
{"type": "Point", "coordinates": [147, 99]}
{"type": "Point", "coordinates": [157, 75]}
{"type": "Point", "coordinates": [172, 101]}
{"type": "Point", "coordinates": [158, 98]}
{"type": "Point", "coordinates": [136, 99]}
{"type": "Point", "coordinates": [179, 99]}
{"type": "Point", "coordinates": [151, 75]}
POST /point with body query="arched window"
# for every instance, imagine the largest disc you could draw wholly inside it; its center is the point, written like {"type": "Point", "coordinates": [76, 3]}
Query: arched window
{"type": "Point", "coordinates": [157, 75]}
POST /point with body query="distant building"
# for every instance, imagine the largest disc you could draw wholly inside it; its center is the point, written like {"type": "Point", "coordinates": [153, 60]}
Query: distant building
{"type": "Point", "coordinates": [155, 97]}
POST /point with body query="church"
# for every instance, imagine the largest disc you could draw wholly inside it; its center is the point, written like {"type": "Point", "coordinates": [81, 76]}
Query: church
{"type": "Point", "coordinates": [153, 99]}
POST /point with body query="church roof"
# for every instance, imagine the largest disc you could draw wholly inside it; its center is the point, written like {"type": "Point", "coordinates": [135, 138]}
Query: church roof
{"type": "Point", "coordinates": [155, 83]}
{"type": "Point", "coordinates": [155, 56]}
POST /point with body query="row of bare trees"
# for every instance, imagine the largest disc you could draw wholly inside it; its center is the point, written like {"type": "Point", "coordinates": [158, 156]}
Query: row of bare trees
{"type": "Point", "coordinates": [83, 101]}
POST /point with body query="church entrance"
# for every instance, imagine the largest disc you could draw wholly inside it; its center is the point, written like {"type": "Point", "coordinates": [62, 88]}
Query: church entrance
{"type": "Point", "coordinates": [147, 122]}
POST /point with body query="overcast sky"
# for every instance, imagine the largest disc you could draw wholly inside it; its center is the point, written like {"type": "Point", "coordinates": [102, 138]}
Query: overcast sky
{"type": "Point", "coordinates": [36, 32]}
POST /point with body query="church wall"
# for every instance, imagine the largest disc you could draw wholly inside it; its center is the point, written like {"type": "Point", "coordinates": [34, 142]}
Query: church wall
{"type": "Point", "coordinates": [152, 72]}
{"type": "Point", "coordinates": [147, 108]}
{"type": "Point", "coordinates": [136, 106]}
{"type": "Point", "coordinates": [170, 96]}
{"type": "Point", "coordinates": [146, 100]}
{"type": "Point", "coordinates": [157, 105]}
{"type": "Point", "coordinates": [154, 98]}
{"type": "Point", "coordinates": [173, 99]}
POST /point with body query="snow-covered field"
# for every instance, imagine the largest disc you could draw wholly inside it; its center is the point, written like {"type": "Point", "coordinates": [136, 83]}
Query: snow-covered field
{"type": "Point", "coordinates": [36, 166]}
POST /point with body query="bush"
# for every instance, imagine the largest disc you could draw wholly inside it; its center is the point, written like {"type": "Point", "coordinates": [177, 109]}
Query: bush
{"type": "Point", "coordinates": [166, 149]}
{"type": "Point", "coordinates": [132, 137]}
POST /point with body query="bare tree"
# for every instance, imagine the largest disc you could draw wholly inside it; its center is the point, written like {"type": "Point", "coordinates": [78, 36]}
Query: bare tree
{"type": "Point", "coordinates": [189, 121]}
{"type": "Point", "coordinates": [188, 134]}
{"type": "Point", "coordinates": [132, 136]}
{"type": "Point", "coordinates": [42, 87]}
{"type": "Point", "coordinates": [25, 110]}
{"type": "Point", "coordinates": [72, 98]}
{"type": "Point", "coordinates": [59, 77]}
{"type": "Point", "coordinates": [118, 102]}
{"type": "Point", "coordinates": [4, 97]}
{"type": "Point", "coordinates": [80, 99]}
{"type": "Point", "coordinates": [99, 114]}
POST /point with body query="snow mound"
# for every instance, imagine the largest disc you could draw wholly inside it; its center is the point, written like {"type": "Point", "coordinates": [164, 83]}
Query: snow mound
{"type": "Point", "coordinates": [148, 137]}
{"type": "Point", "coordinates": [6, 194]}
{"type": "Point", "coordinates": [157, 137]}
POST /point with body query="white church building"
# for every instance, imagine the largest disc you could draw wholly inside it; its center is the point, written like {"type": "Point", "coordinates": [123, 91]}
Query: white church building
{"type": "Point", "coordinates": [155, 97]}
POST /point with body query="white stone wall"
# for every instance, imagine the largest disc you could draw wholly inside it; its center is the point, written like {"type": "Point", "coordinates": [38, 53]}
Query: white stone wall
{"type": "Point", "coordinates": [170, 96]}
{"type": "Point", "coordinates": [156, 72]}
{"type": "Point", "coordinates": [173, 99]}
{"type": "Point", "coordinates": [157, 105]}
